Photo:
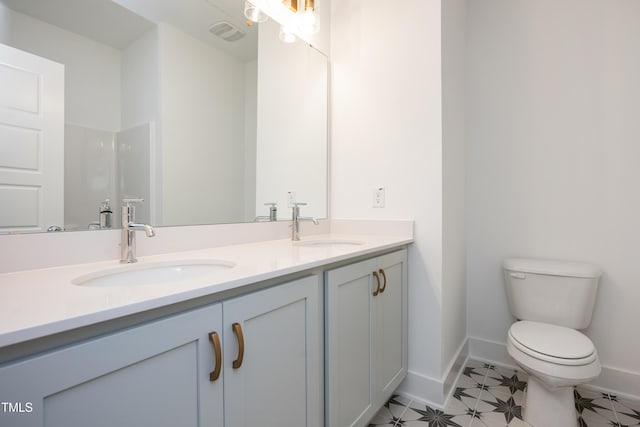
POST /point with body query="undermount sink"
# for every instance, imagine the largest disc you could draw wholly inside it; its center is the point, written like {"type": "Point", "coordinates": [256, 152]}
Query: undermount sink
{"type": "Point", "coordinates": [327, 243]}
{"type": "Point", "coordinates": [153, 273]}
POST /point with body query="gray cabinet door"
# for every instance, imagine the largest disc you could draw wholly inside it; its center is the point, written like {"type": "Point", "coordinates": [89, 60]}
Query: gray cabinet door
{"type": "Point", "coordinates": [274, 336]}
{"type": "Point", "coordinates": [390, 326]}
{"type": "Point", "coordinates": [349, 339]}
{"type": "Point", "coordinates": [366, 337]}
{"type": "Point", "coordinates": [157, 374]}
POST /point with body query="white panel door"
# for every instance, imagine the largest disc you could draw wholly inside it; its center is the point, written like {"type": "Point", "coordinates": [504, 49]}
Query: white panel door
{"type": "Point", "coordinates": [31, 142]}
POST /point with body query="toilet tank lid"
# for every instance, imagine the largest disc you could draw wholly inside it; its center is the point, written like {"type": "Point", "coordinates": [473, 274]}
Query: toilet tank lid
{"type": "Point", "coordinates": [552, 267]}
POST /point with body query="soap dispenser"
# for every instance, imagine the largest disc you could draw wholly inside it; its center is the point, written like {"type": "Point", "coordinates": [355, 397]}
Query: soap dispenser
{"type": "Point", "coordinates": [105, 214]}
{"type": "Point", "coordinates": [273, 211]}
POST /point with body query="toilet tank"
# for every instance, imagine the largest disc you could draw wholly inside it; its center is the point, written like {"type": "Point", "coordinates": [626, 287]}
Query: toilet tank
{"type": "Point", "coordinates": [558, 292]}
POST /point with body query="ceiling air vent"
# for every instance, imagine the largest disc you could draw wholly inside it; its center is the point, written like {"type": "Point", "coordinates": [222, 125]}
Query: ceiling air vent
{"type": "Point", "coordinates": [227, 31]}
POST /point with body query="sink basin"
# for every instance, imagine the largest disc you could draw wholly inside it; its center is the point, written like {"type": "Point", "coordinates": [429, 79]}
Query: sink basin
{"type": "Point", "coordinates": [153, 273]}
{"type": "Point", "coordinates": [327, 243]}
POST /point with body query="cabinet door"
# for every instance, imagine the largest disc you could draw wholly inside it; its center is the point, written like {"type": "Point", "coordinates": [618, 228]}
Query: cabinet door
{"type": "Point", "coordinates": [156, 374]}
{"type": "Point", "coordinates": [349, 390]}
{"type": "Point", "coordinates": [390, 326]}
{"type": "Point", "coordinates": [366, 337]}
{"type": "Point", "coordinates": [273, 337]}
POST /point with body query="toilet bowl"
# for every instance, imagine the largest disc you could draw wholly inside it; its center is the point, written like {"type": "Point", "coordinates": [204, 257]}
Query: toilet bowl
{"type": "Point", "coordinates": [551, 301]}
{"type": "Point", "coordinates": [557, 359]}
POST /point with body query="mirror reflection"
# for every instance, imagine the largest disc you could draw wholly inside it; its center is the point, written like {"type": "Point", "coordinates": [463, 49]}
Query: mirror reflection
{"type": "Point", "coordinates": [183, 104]}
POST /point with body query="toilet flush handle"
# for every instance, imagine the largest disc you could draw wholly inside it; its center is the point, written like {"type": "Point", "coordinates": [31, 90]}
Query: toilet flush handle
{"type": "Point", "coordinates": [521, 276]}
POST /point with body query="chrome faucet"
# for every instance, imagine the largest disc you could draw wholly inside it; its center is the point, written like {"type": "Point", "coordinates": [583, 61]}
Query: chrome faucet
{"type": "Point", "coordinates": [273, 213]}
{"type": "Point", "coordinates": [129, 228]}
{"type": "Point", "coordinates": [295, 232]}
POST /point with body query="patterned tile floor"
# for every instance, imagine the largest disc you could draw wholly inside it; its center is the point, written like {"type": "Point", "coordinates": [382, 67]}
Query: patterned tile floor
{"type": "Point", "coordinates": [493, 396]}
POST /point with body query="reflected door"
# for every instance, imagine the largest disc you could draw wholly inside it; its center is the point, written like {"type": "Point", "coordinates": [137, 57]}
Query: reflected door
{"type": "Point", "coordinates": [31, 142]}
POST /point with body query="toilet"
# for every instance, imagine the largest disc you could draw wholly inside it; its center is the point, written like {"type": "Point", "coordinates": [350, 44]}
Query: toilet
{"type": "Point", "coordinates": [551, 301]}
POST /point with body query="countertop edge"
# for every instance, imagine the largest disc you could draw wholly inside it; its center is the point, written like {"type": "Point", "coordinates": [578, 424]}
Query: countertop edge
{"type": "Point", "coordinates": [62, 325]}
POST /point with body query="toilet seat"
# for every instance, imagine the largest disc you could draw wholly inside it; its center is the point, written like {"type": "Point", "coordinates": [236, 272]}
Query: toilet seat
{"type": "Point", "coordinates": [552, 343]}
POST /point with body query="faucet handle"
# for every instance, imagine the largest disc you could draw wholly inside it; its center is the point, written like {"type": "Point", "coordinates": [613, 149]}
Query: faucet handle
{"type": "Point", "coordinates": [129, 200]}
{"type": "Point", "coordinates": [299, 203]}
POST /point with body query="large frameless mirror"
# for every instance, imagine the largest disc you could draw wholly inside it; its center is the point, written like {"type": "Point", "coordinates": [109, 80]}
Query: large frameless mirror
{"type": "Point", "coordinates": [183, 104]}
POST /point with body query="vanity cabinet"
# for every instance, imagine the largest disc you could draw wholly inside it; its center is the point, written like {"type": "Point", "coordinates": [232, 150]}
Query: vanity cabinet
{"type": "Point", "coordinates": [365, 337]}
{"type": "Point", "coordinates": [248, 361]}
{"type": "Point", "coordinates": [151, 375]}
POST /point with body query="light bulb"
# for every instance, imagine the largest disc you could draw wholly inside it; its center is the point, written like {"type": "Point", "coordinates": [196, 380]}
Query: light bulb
{"type": "Point", "coordinates": [309, 21]}
{"type": "Point", "coordinates": [287, 34]}
{"type": "Point", "coordinates": [253, 13]}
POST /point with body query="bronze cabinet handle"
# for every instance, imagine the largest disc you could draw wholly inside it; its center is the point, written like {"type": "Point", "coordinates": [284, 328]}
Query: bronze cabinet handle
{"type": "Point", "coordinates": [237, 329]}
{"type": "Point", "coordinates": [217, 351]}
{"type": "Point", "coordinates": [377, 291]}
{"type": "Point", "coordinates": [384, 276]}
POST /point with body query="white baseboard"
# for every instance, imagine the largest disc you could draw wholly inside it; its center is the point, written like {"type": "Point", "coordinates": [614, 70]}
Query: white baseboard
{"type": "Point", "coordinates": [424, 389]}
{"type": "Point", "coordinates": [612, 380]}
{"type": "Point", "coordinates": [454, 369]}
{"type": "Point", "coordinates": [431, 391]}
{"type": "Point", "coordinates": [435, 392]}
{"type": "Point", "coordinates": [490, 351]}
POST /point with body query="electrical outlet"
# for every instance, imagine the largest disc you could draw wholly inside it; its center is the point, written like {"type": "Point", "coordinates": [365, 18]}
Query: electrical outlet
{"type": "Point", "coordinates": [378, 197]}
{"type": "Point", "coordinates": [291, 198]}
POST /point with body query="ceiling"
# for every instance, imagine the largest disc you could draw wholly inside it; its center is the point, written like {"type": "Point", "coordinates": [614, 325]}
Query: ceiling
{"type": "Point", "coordinates": [117, 23]}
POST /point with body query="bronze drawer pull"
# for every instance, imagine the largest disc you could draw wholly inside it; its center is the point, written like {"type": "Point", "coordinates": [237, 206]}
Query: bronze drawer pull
{"type": "Point", "coordinates": [237, 329]}
{"type": "Point", "coordinates": [377, 291]}
{"type": "Point", "coordinates": [384, 276]}
{"type": "Point", "coordinates": [217, 351]}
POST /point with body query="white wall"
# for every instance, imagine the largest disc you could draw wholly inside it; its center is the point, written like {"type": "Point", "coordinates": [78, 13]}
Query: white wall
{"type": "Point", "coordinates": [207, 138]}
{"type": "Point", "coordinates": [134, 147]}
{"type": "Point", "coordinates": [92, 70]}
{"type": "Point", "coordinates": [547, 93]}
{"type": "Point", "coordinates": [454, 290]}
{"type": "Point", "coordinates": [140, 81]}
{"type": "Point", "coordinates": [553, 157]}
{"type": "Point", "coordinates": [141, 107]}
{"type": "Point", "coordinates": [292, 125]}
{"type": "Point", "coordinates": [387, 131]}
{"type": "Point", "coordinates": [250, 138]}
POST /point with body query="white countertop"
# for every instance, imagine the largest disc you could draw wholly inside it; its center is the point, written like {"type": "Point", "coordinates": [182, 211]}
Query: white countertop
{"type": "Point", "coordinates": [37, 303]}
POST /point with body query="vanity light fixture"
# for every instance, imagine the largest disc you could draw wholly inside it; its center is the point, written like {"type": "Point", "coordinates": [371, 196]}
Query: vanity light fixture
{"type": "Point", "coordinates": [291, 4]}
{"type": "Point", "coordinates": [294, 16]}
{"type": "Point", "coordinates": [287, 34]}
{"type": "Point", "coordinates": [253, 12]}
{"type": "Point", "coordinates": [309, 21]}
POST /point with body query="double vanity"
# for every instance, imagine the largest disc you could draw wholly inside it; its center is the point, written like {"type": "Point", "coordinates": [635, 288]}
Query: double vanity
{"type": "Point", "coordinates": [230, 324]}
{"type": "Point", "coordinates": [269, 333]}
